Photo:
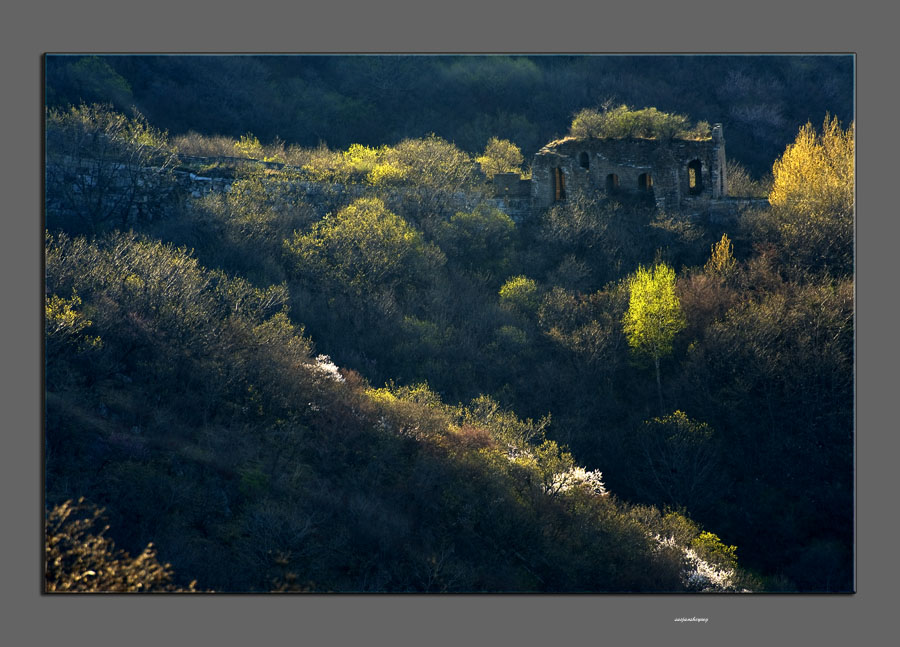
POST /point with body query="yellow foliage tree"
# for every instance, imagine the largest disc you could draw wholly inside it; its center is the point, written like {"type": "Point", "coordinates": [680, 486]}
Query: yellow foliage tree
{"type": "Point", "coordinates": [812, 197]}
{"type": "Point", "coordinates": [721, 259]}
{"type": "Point", "coordinates": [519, 293]}
{"type": "Point", "coordinates": [79, 558]}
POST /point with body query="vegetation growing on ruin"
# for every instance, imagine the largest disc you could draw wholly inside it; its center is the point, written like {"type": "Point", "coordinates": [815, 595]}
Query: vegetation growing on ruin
{"type": "Point", "coordinates": [620, 122]}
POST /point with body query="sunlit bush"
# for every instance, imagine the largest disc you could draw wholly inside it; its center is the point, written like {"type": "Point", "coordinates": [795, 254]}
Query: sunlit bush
{"type": "Point", "coordinates": [647, 123]}
{"type": "Point", "coordinates": [79, 558]}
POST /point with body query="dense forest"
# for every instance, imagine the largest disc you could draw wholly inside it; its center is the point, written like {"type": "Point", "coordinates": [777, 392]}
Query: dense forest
{"type": "Point", "coordinates": [392, 385]}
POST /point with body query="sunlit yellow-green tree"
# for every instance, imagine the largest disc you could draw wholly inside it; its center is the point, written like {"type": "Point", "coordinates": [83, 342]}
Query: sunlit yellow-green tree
{"type": "Point", "coordinates": [812, 197]}
{"type": "Point", "coordinates": [654, 315]}
{"type": "Point", "coordinates": [520, 293]}
{"type": "Point", "coordinates": [363, 247]}
{"type": "Point", "coordinates": [500, 156]}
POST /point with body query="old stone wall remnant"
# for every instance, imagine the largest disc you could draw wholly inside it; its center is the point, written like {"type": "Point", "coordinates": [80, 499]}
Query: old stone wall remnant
{"type": "Point", "coordinates": [683, 177]}
{"type": "Point", "coordinates": [679, 175]}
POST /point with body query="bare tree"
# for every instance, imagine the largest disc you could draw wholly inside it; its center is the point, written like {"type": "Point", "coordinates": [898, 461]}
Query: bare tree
{"type": "Point", "coordinates": [103, 168]}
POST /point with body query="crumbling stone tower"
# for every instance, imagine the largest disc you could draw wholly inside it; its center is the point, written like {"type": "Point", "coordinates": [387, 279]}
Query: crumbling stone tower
{"type": "Point", "coordinates": [679, 175]}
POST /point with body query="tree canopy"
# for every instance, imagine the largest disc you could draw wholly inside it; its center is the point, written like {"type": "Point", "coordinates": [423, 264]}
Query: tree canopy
{"type": "Point", "coordinates": [813, 196]}
{"type": "Point", "coordinates": [363, 246]}
{"type": "Point", "coordinates": [500, 156]}
{"type": "Point", "coordinates": [654, 314]}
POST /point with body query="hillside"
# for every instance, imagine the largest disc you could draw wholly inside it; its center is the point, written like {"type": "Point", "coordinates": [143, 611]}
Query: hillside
{"type": "Point", "coordinates": [189, 406]}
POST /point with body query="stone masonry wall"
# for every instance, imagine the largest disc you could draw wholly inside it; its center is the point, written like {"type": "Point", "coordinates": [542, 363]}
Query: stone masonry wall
{"type": "Point", "coordinates": [640, 167]}
{"type": "Point", "coordinates": [653, 170]}
{"type": "Point", "coordinates": [148, 194]}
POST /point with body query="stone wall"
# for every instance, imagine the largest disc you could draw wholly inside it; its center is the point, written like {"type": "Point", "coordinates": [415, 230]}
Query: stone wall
{"type": "Point", "coordinates": [104, 191]}
{"type": "Point", "coordinates": [80, 188]}
{"type": "Point", "coordinates": [624, 168]}
{"type": "Point", "coordinates": [512, 195]}
{"type": "Point", "coordinates": [653, 170]}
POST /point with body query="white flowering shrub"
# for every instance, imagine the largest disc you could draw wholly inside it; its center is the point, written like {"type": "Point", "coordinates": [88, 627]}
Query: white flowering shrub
{"type": "Point", "coordinates": [700, 575]}
{"type": "Point", "coordinates": [580, 477]}
{"type": "Point", "coordinates": [326, 368]}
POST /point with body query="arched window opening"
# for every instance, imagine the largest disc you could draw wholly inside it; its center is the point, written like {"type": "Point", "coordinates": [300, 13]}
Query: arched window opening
{"type": "Point", "coordinates": [695, 178]}
{"type": "Point", "coordinates": [612, 183]}
{"type": "Point", "coordinates": [585, 160]}
{"type": "Point", "coordinates": [559, 184]}
{"type": "Point", "coordinates": [645, 182]}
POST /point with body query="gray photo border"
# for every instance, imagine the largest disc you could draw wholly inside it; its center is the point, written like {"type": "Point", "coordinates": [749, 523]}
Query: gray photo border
{"type": "Point", "coordinates": [526, 26]}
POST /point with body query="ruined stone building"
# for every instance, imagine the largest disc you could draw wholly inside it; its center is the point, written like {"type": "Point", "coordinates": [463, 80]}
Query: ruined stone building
{"type": "Point", "coordinates": [677, 176]}
{"type": "Point", "coordinates": [674, 176]}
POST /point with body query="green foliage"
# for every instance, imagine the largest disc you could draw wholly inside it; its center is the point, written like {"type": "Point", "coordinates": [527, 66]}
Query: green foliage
{"type": "Point", "coordinates": [503, 425]}
{"type": "Point", "coordinates": [647, 123]}
{"type": "Point", "coordinates": [154, 306]}
{"type": "Point", "coordinates": [255, 457]}
{"type": "Point", "coordinates": [244, 229]}
{"type": "Point", "coordinates": [360, 161]}
{"type": "Point", "coordinates": [431, 162]}
{"type": "Point", "coordinates": [480, 240]}
{"type": "Point", "coordinates": [250, 460]}
{"type": "Point", "coordinates": [710, 547]}
{"type": "Point", "coordinates": [78, 558]}
{"type": "Point", "coordinates": [67, 334]}
{"type": "Point", "coordinates": [248, 146]}
{"type": "Point", "coordinates": [63, 321]}
{"type": "Point", "coordinates": [500, 156]}
{"type": "Point", "coordinates": [428, 171]}
{"type": "Point", "coordinates": [357, 164]}
{"type": "Point", "coordinates": [654, 315]}
{"type": "Point", "coordinates": [87, 80]}
{"type": "Point", "coordinates": [324, 165]}
{"type": "Point", "coordinates": [346, 99]}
